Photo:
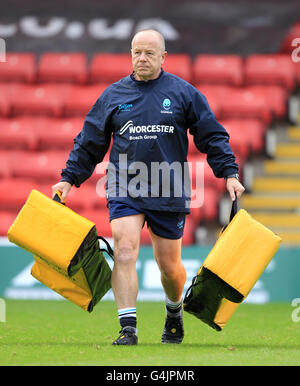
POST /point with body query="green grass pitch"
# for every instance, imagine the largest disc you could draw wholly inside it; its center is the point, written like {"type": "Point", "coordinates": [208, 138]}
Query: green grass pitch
{"type": "Point", "coordinates": [60, 333]}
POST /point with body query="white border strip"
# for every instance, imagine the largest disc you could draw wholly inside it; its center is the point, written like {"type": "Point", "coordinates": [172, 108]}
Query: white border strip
{"type": "Point", "coordinates": [4, 242]}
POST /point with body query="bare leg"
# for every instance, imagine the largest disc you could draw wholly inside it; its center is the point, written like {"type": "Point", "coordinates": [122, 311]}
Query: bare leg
{"type": "Point", "coordinates": [173, 276]}
{"type": "Point", "coordinates": [126, 233]}
{"type": "Point", "coordinates": [167, 254]}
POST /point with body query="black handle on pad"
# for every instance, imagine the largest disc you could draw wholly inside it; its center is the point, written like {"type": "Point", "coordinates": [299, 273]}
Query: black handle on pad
{"type": "Point", "coordinates": [109, 249]}
{"type": "Point", "coordinates": [57, 198]}
{"type": "Point", "coordinates": [234, 209]}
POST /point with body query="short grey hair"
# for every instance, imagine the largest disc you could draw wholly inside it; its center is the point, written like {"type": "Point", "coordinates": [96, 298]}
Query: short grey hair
{"type": "Point", "coordinates": [160, 36]}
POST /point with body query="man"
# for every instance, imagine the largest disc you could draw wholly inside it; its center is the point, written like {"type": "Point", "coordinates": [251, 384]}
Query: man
{"type": "Point", "coordinates": [148, 114]}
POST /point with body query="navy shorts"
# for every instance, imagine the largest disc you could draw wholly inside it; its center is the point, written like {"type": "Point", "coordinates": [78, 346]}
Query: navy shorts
{"type": "Point", "coordinates": [169, 225]}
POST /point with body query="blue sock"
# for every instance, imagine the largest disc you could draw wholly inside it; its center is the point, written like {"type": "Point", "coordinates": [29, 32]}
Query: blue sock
{"type": "Point", "coordinates": [127, 317]}
{"type": "Point", "coordinates": [173, 309]}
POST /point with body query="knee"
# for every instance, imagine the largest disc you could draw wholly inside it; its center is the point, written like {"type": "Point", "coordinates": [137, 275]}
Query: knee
{"type": "Point", "coordinates": [172, 270]}
{"type": "Point", "coordinates": [125, 251]}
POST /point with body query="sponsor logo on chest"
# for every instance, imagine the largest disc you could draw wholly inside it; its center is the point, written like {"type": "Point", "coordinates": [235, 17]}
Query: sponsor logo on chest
{"type": "Point", "coordinates": [145, 129]}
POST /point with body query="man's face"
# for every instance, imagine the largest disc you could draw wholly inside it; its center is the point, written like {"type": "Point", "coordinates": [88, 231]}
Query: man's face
{"type": "Point", "coordinates": [147, 56]}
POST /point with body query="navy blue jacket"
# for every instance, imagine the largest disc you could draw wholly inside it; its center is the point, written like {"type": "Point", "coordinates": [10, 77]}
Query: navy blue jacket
{"type": "Point", "coordinates": [148, 122]}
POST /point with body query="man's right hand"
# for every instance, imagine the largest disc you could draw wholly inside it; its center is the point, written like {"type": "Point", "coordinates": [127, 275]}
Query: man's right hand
{"type": "Point", "coordinates": [64, 187]}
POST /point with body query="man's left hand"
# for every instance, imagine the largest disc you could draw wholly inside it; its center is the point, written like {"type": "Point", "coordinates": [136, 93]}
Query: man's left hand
{"type": "Point", "coordinates": [234, 187]}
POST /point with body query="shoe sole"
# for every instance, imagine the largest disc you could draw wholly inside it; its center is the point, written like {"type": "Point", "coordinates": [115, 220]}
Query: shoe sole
{"type": "Point", "coordinates": [170, 342]}
{"type": "Point", "coordinates": [127, 344]}
{"type": "Point", "coordinates": [115, 343]}
{"type": "Point", "coordinates": [174, 341]}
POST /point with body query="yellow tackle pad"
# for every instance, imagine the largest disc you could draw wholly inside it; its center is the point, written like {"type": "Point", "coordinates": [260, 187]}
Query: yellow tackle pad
{"type": "Point", "coordinates": [66, 249]}
{"type": "Point", "coordinates": [233, 266]}
{"type": "Point", "coordinates": [242, 253]}
{"type": "Point", "coordinates": [75, 288]}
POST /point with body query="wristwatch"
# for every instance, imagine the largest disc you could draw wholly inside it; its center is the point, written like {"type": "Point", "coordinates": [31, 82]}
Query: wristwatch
{"type": "Point", "coordinates": [235, 175]}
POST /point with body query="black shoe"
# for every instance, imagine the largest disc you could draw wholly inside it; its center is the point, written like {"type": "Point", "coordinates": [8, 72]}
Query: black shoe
{"type": "Point", "coordinates": [128, 337]}
{"type": "Point", "coordinates": [173, 330]}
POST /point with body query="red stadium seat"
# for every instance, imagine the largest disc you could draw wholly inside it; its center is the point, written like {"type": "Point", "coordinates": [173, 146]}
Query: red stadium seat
{"type": "Point", "coordinates": [297, 70]}
{"type": "Point", "coordinates": [240, 145]}
{"type": "Point", "coordinates": [196, 214]}
{"type": "Point", "coordinates": [20, 132]}
{"type": "Point", "coordinates": [215, 91]}
{"type": "Point", "coordinates": [270, 69]}
{"type": "Point", "coordinates": [83, 198]}
{"type": "Point", "coordinates": [276, 96]}
{"type": "Point", "coordinates": [58, 133]}
{"type": "Point", "coordinates": [46, 99]}
{"type": "Point", "coordinates": [180, 65]}
{"type": "Point", "coordinates": [218, 69]}
{"type": "Point", "coordinates": [109, 68]}
{"type": "Point", "coordinates": [210, 209]}
{"type": "Point", "coordinates": [82, 99]}
{"type": "Point", "coordinates": [63, 67]}
{"type": "Point", "coordinates": [189, 231]}
{"type": "Point", "coordinates": [7, 93]}
{"type": "Point", "coordinates": [206, 207]}
{"type": "Point", "coordinates": [245, 103]}
{"type": "Point", "coordinates": [251, 131]}
{"type": "Point", "coordinates": [6, 220]}
{"type": "Point", "coordinates": [101, 219]}
{"type": "Point", "coordinates": [5, 105]}
{"type": "Point", "coordinates": [145, 236]}
{"type": "Point", "coordinates": [202, 175]}
{"type": "Point", "coordinates": [5, 164]}
{"type": "Point", "coordinates": [42, 166]}
{"type": "Point", "coordinates": [215, 95]}
{"type": "Point", "coordinates": [19, 67]}
{"type": "Point", "coordinates": [15, 191]}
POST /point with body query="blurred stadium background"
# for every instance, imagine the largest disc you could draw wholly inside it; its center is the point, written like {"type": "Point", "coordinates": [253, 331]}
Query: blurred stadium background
{"type": "Point", "coordinates": [242, 56]}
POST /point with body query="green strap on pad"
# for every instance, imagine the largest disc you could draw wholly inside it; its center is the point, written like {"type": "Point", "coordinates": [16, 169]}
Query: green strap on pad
{"type": "Point", "coordinates": [204, 296]}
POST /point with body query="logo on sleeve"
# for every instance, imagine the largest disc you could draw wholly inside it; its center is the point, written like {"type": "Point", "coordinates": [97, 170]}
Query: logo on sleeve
{"type": "Point", "coordinates": [166, 106]}
{"type": "Point", "coordinates": [125, 107]}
